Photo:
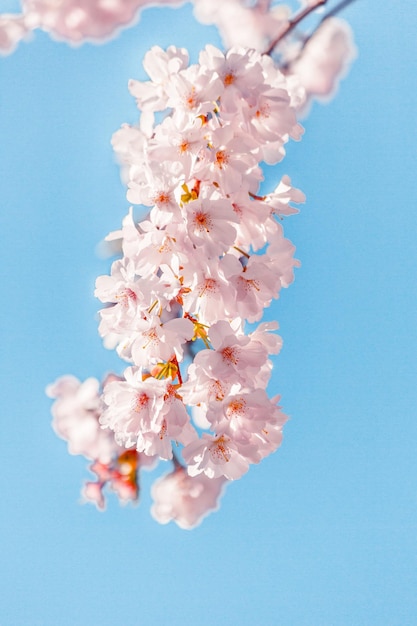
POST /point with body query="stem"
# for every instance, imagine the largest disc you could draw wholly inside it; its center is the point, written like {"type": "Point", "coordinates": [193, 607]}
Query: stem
{"type": "Point", "coordinates": [339, 7]}
{"type": "Point", "coordinates": [175, 361]}
{"type": "Point", "coordinates": [242, 252]}
{"type": "Point", "coordinates": [293, 23]}
{"type": "Point", "coordinates": [255, 197]}
{"type": "Point", "coordinates": [153, 306]}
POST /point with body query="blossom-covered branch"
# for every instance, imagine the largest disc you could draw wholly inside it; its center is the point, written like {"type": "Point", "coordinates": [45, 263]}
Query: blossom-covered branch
{"type": "Point", "coordinates": [207, 259]}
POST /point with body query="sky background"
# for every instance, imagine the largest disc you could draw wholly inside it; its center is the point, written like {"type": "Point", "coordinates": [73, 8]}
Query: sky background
{"type": "Point", "coordinates": [322, 533]}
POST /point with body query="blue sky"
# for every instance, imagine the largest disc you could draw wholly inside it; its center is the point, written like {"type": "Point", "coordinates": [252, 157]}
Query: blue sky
{"type": "Point", "coordinates": [323, 533]}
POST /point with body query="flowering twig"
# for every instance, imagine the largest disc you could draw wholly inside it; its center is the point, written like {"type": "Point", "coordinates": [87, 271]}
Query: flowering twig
{"type": "Point", "coordinates": [179, 279]}
{"type": "Point", "coordinates": [337, 9]}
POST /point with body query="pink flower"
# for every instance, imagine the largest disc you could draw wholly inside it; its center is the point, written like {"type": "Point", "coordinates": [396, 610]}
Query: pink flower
{"type": "Point", "coordinates": [184, 499]}
{"type": "Point", "coordinates": [249, 418]}
{"type": "Point", "coordinates": [156, 342]}
{"type": "Point", "coordinates": [160, 65]}
{"type": "Point", "coordinates": [76, 412]}
{"type": "Point", "coordinates": [279, 200]}
{"type": "Point", "coordinates": [93, 492]}
{"type": "Point", "coordinates": [235, 358]}
{"type": "Point", "coordinates": [133, 405]}
{"type": "Point", "coordinates": [77, 20]}
{"type": "Point", "coordinates": [217, 456]}
{"type": "Point", "coordinates": [209, 224]}
{"type": "Point", "coordinates": [211, 296]}
{"type": "Point", "coordinates": [145, 413]}
{"type": "Point", "coordinates": [13, 28]}
{"type": "Point", "coordinates": [209, 257]}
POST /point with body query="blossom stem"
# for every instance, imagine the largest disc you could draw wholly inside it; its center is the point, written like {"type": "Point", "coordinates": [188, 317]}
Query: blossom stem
{"type": "Point", "coordinates": [177, 365]}
{"type": "Point", "coordinates": [255, 197]}
{"type": "Point", "coordinates": [293, 23]}
{"type": "Point", "coordinates": [339, 7]}
{"type": "Point", "coordinates": [153, 306]}
{"type": "Point", "coordinates": [242, 252]}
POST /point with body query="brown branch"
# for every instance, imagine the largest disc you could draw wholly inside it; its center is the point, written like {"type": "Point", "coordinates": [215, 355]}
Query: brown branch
{"type": "Point", "coordinates": [293, 23]}
{"type": "Point", "coordinates": [339, 7]}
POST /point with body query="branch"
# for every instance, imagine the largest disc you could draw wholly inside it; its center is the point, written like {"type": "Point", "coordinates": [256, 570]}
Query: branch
{"type": "Point", "coordinates": [293, 23]}
{"type": "Point", "coordinates": [339, 7]}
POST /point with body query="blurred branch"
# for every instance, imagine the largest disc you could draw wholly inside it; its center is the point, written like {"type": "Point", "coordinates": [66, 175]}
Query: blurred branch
{"type": "Point", "coordinates": [293, 23]}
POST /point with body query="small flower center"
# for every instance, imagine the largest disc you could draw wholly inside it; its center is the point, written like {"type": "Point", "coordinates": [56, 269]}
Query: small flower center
{"type": "Point", "coordinates": [191, 99]}
{"type": "Point", "coordinates": [140, 402]}
{"type": "Point", "coordinates": [184, 146]}
{"type": "Point", "coordinates": [220, 451]}
{"type": "Point", "coordinates": [152, 337]}
{"type": "Point", "coordinates": [230, 355]}
{"type": "Point", "coordinates": [217, 390]}
{"type": "Point", "coordinates": [249, 284]}
{"type": "Point", "coordinates": [162, 197]}
{"type": "Point", "coordinates": [163, 431]}
{"type": "Point", "coordinates": [210, 285]}
{"type": "Point", "coordinates": [126, 295]}
{"type": "Point", "coordinates": [263, 111]}
{"type": "Point", "coordinates": [165, 246]}
{"type": "Point", "coordinates": [222, 159]}
{"type": "Point", "coordinates": [236, 408]}
{"type": "Point", "coordinates": [229, 79]}
{"type": "Point", "coordinates": [202, 221]}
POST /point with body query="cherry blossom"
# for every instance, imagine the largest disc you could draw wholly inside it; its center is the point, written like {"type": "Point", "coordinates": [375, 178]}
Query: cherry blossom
{"type": "Point", "coordinates": [76, 412]}
{"type": "Point", "coordinates": [189, 276]}
{"type": "Point", "coordinates": [13, 28]}
{"type": "Point", "coordinates": [184, 499]}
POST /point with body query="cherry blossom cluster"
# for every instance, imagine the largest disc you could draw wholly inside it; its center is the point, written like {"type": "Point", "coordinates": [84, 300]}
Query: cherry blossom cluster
{"type": "Point", "coordinates": [74, 21]}
{"type": "Point", "coordinates": [184, 300]}
{"type": "Point", "coordinates": [209, 256]}
{"type": "Point", "coordinates": [177, 496]}
{"type": "Point", "coordinates": [318, 59]}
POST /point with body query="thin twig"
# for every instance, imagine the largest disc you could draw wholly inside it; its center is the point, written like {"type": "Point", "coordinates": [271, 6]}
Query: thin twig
{"type": "Point", "coordinates": [293, 23]}
{"type": "Point", "coordinates": [339, 7]}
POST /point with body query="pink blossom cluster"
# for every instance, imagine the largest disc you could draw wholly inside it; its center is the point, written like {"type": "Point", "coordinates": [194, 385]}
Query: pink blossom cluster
{"type": "Point", "coordinates": [207, 259]}
{"type": "Point", "coordinates": [317, 60]}
{"type": "Point", "coordinates": [76, 412]}
{"type": "Point", "coordinates": [74, 21]}
{"type": "Point", "coordinates": [210, 256]}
